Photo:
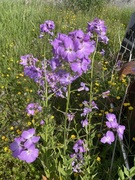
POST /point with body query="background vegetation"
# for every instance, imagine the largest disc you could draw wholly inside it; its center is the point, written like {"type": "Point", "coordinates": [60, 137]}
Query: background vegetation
{"type": "Point", "coordinates": [19, 32]}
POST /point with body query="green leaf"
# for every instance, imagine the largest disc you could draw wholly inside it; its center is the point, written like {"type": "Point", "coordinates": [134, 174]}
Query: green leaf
{"type": "Point", "coordinates": [121, 174]}
{"type": "Point", "coordinates": [126, 171]}
{"type": "Point", "coordinates": [132, 171]}
{"type": "Point", "coordinates": [61, 170]}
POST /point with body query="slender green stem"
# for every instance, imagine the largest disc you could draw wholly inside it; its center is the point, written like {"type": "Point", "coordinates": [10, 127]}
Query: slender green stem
{"type": "Point", "coordinates": [65, 122]}
{"type": "Point", "coordinates": [91, 89]}
{"type": "Point", "coordinates": [46, 94]}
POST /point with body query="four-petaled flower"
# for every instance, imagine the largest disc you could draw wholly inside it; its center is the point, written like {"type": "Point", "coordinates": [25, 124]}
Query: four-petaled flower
{"type": "Point", "coordinates": [47, 27]}
{"type": "Point", "coordinates": [112, 124]}
{"type": "Point", "coordinates": [79, 146]}
{"type": "Point", "coordinates": [84, 123]}
{"type": "Point", "coordinates": [120, 131]}
{"type": "Point", "coordinates": [16, 146]}
{"type": "Point", "coordinates": [83, 87]}
{"type": "Point", "coordinates": [70, 116]}
{"type": "Point", "coordinates": [108, 138]}
{"type": "Point", "coordinates": [29, 137]}
{"type": "Point", "coordinates": [112, 121]}
{"type": "Point", "coordinates": [32, 108]}
{"type": "Point", "coordinates": [29, 155]}
{"type": "Point", "coordinates": [24, 148]}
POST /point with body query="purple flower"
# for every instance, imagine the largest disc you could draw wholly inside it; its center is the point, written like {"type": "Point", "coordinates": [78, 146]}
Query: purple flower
{"type": "Point", "coordinates": [83, 87]}
{"type": "Point", "coordinates": [78, 161]}
{"type": "Point", "coordinates": [86, 110]}
{"type": "Point", "coordinates": [33, 72]}
{"type": "Point", "coordinates": [28, 60]}
{"type": "Point", "coordinates": [105, 94]}
{"type": "Point", "coordinates": [84, 123]}
{"type": "Point", "coordinates": [16, 147]}
{"type": "Point", "coordinates": [29, 137]}
{"type": "Point", "coordinates": [94, 105]}
{"type": "Point", "coordinates": [85, 103]}
{"type": "Point", "coordinates": [50, 24]}
{"type": "Point", "coordinates": [63, 47]}
{"type": "Point", "coordinates": [32, 108]}
{"type": "Point", "coordinates": [118, 65]}
{"type": "Point", "coordinates": [24, 146]}
{"type": "Point", "coordinates": [77, 35]}
{"type": "Point", "coordinates": [79, 146]}
{"type": "Point", "coordinates": [103, 38]}
{"type": "Point", "coordinates": [111, 117]}
{"type": "Point", "coordinates": [29, 155]}
{"type": "Point", "coordinates": [42, 122]}
{"type": "Point", "coordinates": [84, 49]}
{"type": "Point", "coordinates": [98, 26]}
{"type": "Point", "coordinates": [47, 27]}
{"type": "Point", "coordinates": [102, 52]}
{"type": "Point", "coordinates": [108, 138]}
{"type": "Point", "coordinates": [112, 121]}
{"type": "Point", "coordinates": [120, 131]}
{"type": "Point", "coordinates": [70, 116]}
{"type": "Point", "coordinates": [67, 51]}
{"type": "Point", "coordinates": [112, 124]}
{"type": "Point", "coordinates": [64, 77]}
{"type": "Point", "coordinates": [54, 63]}
{"type": "Point", "coordinates": [80, 66]}
{"type": "Point", "coordinates": [58, 82]}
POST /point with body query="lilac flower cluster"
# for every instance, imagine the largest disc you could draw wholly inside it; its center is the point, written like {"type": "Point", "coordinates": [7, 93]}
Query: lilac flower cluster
{"type": "Point", "coordinates": [47, 27]}
{"type": "Point", "coordinates": [32, 108]}
{"type": "Point", "coordinates": [71, 57]}
{"type": "Point", "coordinates": [24, 148]}
{"type": "Point", "coordinates": [77, 156]}
{"type": "Point", "coordinates": [98, 26]}
{"type": "Point", "coordinates": [88, 107]}
{"type": "Point", "coordinates": [75, 49]}
{"type": "Point", "coordinates": [30, 69]}
{"type": "Point", "coordinates": [112, 124]}
{"type": "Point", "coordinates": [83, 87]}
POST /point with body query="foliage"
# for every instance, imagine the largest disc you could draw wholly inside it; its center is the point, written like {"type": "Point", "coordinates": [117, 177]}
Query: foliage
{"type": "Point", "coordinates": [19, 27]}
{"type": "Point", "coordinates": [84, 5]}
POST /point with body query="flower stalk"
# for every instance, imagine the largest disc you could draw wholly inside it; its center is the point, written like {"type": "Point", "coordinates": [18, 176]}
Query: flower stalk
{"type": "Point", "coordinates": [65, 120]}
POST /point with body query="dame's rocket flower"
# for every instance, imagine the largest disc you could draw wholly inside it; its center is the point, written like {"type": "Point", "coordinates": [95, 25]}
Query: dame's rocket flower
{"type": "Point", "coordinates": [108, 137]}
{"type": "Point", "coordinates": [29, 137]}
{"type": "Point", "coordinates": [79, 146]}
{"type": "Point", "coordinates": [28, 60]}
{"type": "Point", "coordinates": [120, 131]}
{"type": "Point", "coordinates": [29, 155]}
{"type": "Point", "coordinates": [16, 146]}
{"type": "Point", "coordinates": [83, 87]}
{"type": "Point", "coordinates": [98, 26]}
{"type": "Point", "coordinates": [47, 27]}
{"type": "Point", "coordinates": [112, 124]}
{"type": "Point", "coordinates": [105, 94]}
{"type": "Point", "coordinates": [84, 123]}
{"type": "Point", "coordinates": [24, 148]}
{"type": "Point", "coordinates": [112, 121]}
{"type": "Point", "coordinates": [32, 108]}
